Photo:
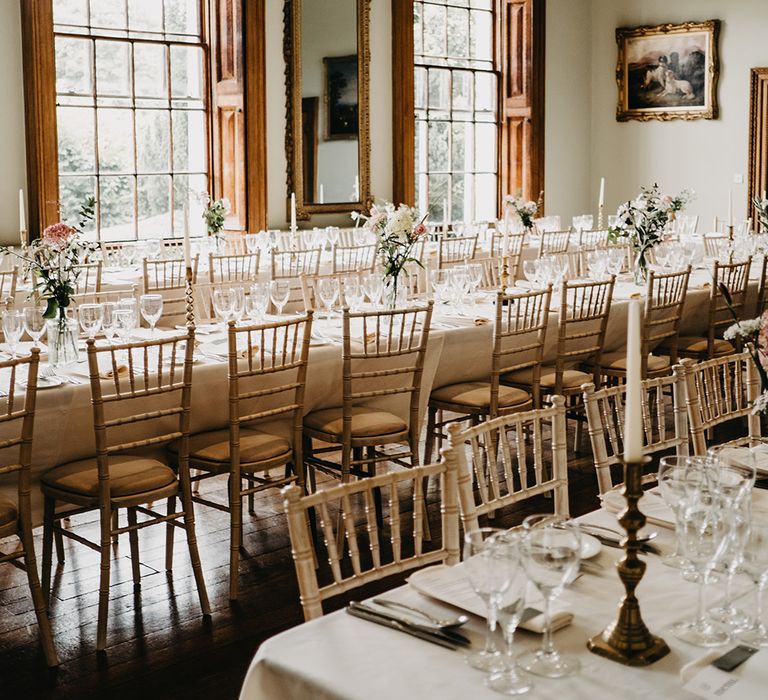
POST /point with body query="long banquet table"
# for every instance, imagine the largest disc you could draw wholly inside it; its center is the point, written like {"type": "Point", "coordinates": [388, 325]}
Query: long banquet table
{"type": "Point", "coordinates": [342, 657]}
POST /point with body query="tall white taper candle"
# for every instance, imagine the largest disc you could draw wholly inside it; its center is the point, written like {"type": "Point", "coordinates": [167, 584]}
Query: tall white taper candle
{"type": "Point", "coordinates": [186, 244]}
{"type": "Point", "coordinates": [293, 211]}
{"type": "Point", "coordinates": [601, 200]}
{"type": "Point", "coordinates": [445, 215]}
{"type": "Point", "coordinates": [633, 409]}
{"type": "Point", "coordinates": [730, 207]}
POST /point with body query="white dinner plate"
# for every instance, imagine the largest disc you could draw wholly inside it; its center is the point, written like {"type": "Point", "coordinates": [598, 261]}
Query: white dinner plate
{"type": "Point", "coordinates": [47, 382]}
{"type": "Point", "coordinates": [590, 546]}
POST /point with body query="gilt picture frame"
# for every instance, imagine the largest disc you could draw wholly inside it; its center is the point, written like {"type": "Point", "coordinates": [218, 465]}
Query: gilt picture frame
{"type": "Point", "coordinates": [668, 71]}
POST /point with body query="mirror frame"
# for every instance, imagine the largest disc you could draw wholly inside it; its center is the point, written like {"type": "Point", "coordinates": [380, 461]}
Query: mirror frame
{"type": "Point", "coordinates": [293, 126]}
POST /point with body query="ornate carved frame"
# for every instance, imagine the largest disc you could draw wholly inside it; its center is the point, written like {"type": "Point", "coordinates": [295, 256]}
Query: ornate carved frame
{"type": "Point", "coordinates": [293, 135]}
{"type": "Point", "coordinates": [708, 111]}
{"type": "Point", "coordinates": [758, 135]}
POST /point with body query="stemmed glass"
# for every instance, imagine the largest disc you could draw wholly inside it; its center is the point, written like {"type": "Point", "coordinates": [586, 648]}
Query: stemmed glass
{"type": "Point", "coordinates": [13, 327]}
{"type": "Point", "coordinates": [509, 679]}
{"type": "Point", "coordinates": [257, 301]}
{"type": "Point", "coordinates": [223, 303]}
{"type": "Point", "coordinates": [34, 324]}
{"type": "Point", "coordinates": [90, 316]}
{"type": "Point", "coordinates": [353, 292]}
{"type": "Point", "coordinates": [531, 272]}
{"type": "Point", "coordinates": [328, 291]}
{"type": "Point", "coordinates": [108, 309]}
{"type": "Point", "coordinates": [475, 274]}
{"type": "Point", "coordinates": [151, 310]}
{"type": "Point", "coordinates": [489, 575]}
{"type": "Point", "coordinates": [251, 242]}
{"type": "Point", "coordinates": [756, 566]}
{"type": "Point", "coordinates": [129, 304]}
{"type": "Point", "coordinates": [124, 324]}
{"type": "Point", "coordinates": [279, 293]}
{"type": "Point", "coordinates": [438, 280]}
{"type": "Point", "coordinates": [706, 526]}
{"type": "Point", "coordinates": [459, 286]}
{"type": "Point", "coordinates": [373, 287]}
{"type": "Point", "coordinates": [551, 554]}
{"type": "Point", "coordinates": [238, 304]}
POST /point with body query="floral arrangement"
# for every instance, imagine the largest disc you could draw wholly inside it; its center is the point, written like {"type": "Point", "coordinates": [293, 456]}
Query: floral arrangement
{"type": "Point", "coordinates": [53, 260]}
{"type": "Point", "coordinates": [641, 223]}
{"type": "Point", "coordinates": [524, 210]}
{"type": "Point", "coordinates": [753, 333]}
{"type": "Point", "coordinates": [214, 213]}
{"type": "Point", "coordinates": [397, 229]}
{"type": "Point", "coordinates": [679, 202]}
{"type": "Point", "coordinates": [761, 207]}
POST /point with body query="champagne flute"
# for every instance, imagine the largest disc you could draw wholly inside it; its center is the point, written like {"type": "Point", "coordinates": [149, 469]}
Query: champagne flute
{"type": "Point", "coordinates": [551, 553]}
{"type": "Point", "coordinates": [151, 310]}
{"type": "Point", "coordinates": [34, 323]}
{"type": "Point", "coordinates": [279, 293]}
{"type": "Point", "coordinates": [238, 304]}
{"type": "Point", "coordinates": [756, 566]}
{"type": "Point", "coordinates": [13, 327]}
{"type": "Point", "coordinates": [510, 679]}
{"type": "Point", "coordinates": [489, 579]}
{"type": "Point", "coordinates": [90, 316]}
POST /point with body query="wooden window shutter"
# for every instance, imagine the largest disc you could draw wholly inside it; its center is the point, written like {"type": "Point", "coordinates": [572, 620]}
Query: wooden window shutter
{"type": "Point", "coordinates": [521, 58]}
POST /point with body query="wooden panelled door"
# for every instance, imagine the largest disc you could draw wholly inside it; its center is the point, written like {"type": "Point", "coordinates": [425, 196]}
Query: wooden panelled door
{"type": "Point", "coordinates": [521, 104]}
{"type": "Point", "coordinates": [758, 137]}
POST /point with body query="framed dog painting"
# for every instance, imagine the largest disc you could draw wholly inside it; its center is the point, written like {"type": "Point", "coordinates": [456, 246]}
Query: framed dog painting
{"type": "Point", "coordinates": [668, 71]}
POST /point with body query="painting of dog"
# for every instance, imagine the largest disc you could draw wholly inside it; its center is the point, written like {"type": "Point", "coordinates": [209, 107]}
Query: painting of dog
{"type": "Point", "coordinates": [668, 71]}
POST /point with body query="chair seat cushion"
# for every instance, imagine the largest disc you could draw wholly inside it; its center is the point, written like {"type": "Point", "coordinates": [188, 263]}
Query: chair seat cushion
{"type": "Point", "coordinates": [366, 422]}
{"type": "Point", "coordinates": [255, 446]}
{"type": "Point", "coordinates": [697, 344]}
{"type": "Point", "coordinates": [618, 360]}
{"type": "Point", "coordinates": [478, 395]}
{"type": "Point", "coordinates": [8, 511]}
{"type": "Point", "coordinates": [128, 475]}
{"type": "Point", "coordinates": [572, 378]}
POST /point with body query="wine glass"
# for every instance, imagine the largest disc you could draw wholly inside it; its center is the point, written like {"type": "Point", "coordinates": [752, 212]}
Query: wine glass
{"type": "Point", "coordinates": [438, 280]}
{"type": "Point", "coordinates": [108, 309]}
{"type": "Point", "coordinates": [353, 292]}
{"type": "Point", "coordinates": [90, 316]}
{"type": "Point", "coordinates": [129, 304]}
{"type": "Point", "coordinates": [551, 554]}
{"type": "Point", "coordinates": [328, 291]}
{"type": "Point", "coordinates": [238, 304]}
{"type": "Point", "coordinates": [531, 272]}
{"type": "Point", "coordinates": [459, 286]}
{"type": "Point", "coordinates": [251, 242]}
{"type": "Point", "coordinates": [373, 286]}
{"type": "Point", "coordinates": [475, 274]}
{"type": "Point", "coordinates": [124, 324]}
{"type": "Point", "coordinates": [257, 301]}
{"type": "Point", "coordinates": [34, 324]}
{"type": "Point", "coordinates": [706, 526]}
{"type": "Point", "coordinates": [489, 575]}
{"type": "Point", "coordinates": [151, 310]}
{"type": "Point", "coordinates": [223, 302]}
{"type": "Point", "coordinates": [13, 327]}
{"type": "Point", "coordinates": [756, 566]}
{"type": "Point", "coordinates": [509, 679]}
{"type": "Point", "coordinates": [279, 293]}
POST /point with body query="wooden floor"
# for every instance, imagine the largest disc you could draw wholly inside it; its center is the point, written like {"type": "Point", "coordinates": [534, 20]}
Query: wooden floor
{"type": "Point", "coordinates": [160, 646]}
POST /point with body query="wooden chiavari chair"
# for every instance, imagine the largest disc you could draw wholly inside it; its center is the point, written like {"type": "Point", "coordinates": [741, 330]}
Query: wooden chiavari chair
{"type": "Point", "coordinates": [582, 320]}
{"type": "Point", "coordinates": [17, 415]}
{"type": "Point", "coordinates": [554, 241]}
{"type": "Point", "coordinates": [572, 261]}
{"type": "Point", "coordinates": [762, 286]}
{"type": "Point", "coordinates": [168, 278]}
{"type": "Point", "coordinates": [735, 277]}
{"type": "Point", "coordinates": [8, 281]}
{"type": "Point", "coordinates": [267, 377]}
{"type": "Point", "coordinates": [290, 265]}
{"type": "Point", "coordinates": [605, 423]}
{"type": "Point", "coordinates": [102, 297]}
{"type": "Point", "coordinates": [515, 242]}
{"type": "Point", "coordinates": [455, 250]}
{"type": "Point", "coordinates": [664, 301]}
{"type": "Point", "coordinates": [89, 278]}
{"type": "Point", "coordinates": [720, 390]}
{"type": "Point", "coordinates": [240, 267]}
{"type": "Point", "coordinates": [594, 239]}
{"type": "Point", "coordinates": [234, 244]}
{"type": "Point", "coordinates": [495, 470]}
{"type": "Point", "coordinates": [517, 344]}
{"type": "Point", "coordinates": [358, 258]}
{"type": "Point", "coordinates": [124, 474]}
{"type": "Point", "coordinates": [311, 297]}
{"type": "Point", "coordinates": [713, 245]}
{"type": "Point", "coordinates": [203, 295]}
{"type": "Point", "coordinates": [383, 363]}
{"type": "Point", "coordinates": [398, 546]}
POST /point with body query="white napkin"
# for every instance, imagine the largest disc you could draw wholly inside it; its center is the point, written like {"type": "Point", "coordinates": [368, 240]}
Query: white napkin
{"type": "Point", "coordinates": [746, 682]}
{"type": "Point", "coordinates": [652, 505]}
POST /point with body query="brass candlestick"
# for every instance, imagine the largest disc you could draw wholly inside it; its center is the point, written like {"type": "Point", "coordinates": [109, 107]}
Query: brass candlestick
{"type": "Point", "coordinates": [600, 212]}
{"type": "Point", "coordinates": [627, 639]}
{"type": "Point", "coordinates": [730, 232]}
{"type": "Point", "coordinates": [504, 273]}
{"type": "Point", "coordinates": [189, 299]}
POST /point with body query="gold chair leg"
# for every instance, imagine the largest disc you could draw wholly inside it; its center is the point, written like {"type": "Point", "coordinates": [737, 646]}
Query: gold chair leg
{"type": "Point", "coordinates": [194, 554]}
{"type": "Point", "coordinates": [49, 509]}
{"type": "Point", "coordinates": [104, 577]}
{"type": "Point", "coordinates": [170, 531]}
{"type": "Point", "coordinates": [429, 438]}
{"type": "Point", "coordinates": [133, 539]}
{"type": "Point", "coordinates": [235, 533]}
{"type": "Point", "coordinates": [115, 525]}
{"type": "Point", "coordinates": [251, 498]}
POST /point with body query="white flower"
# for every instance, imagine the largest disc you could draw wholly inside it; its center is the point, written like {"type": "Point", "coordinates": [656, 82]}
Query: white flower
{"type": "Point", "coordinates": [760, 405]}
{"type": "Point", "coordinates": [743, 329]}
{"type": "Point", "coordinates": [226, 205]}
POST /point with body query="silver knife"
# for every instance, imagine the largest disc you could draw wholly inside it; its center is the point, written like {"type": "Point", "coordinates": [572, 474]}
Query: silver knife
{"type": "Point", "coordinates": [400, 627]}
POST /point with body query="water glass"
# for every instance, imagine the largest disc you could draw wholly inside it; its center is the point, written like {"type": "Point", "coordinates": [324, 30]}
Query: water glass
{"type": "Point", "coordinates": [129, 304]}
{"type": "Point", "coordinates": [756, 567]}
{"type": "Point", "coordinates": [223, 304]}
{"type": "Point", "coordinates": [531, 272]}
{"type": "Point", "coordinates": [108, 327]}
{"type": "Point", "coordinates": [124, 324]}
{"type": "Point", "coordinates": [328, 291]}
{"type": "Point", "coordinates": [34, 323]}
{"type": "Point", "coordinates": [151, 309]}
{"type": "Point", "coordinates": [257, 301]}
{"type": "Point", "coordinates": [551, 554]}
{"type": "Point", "coordinates": [352, 291]}
{"type": "Point", "coordinates": [90, 316]}
{"type": "Point", "coordinates": [489, 575]}
{"type": "Point", "coordinates": [279, 293]}
{"type": "Point", "coordinates": [238, 304]}
{"type": "Point", "coordinates": [439, 282]}
{"type": "Point", "coordinates": [13, 327]}
{"type": "Point", "coordinates": [373, 285]}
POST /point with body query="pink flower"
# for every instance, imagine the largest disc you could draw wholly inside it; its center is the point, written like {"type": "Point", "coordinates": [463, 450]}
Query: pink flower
{"type": "Point", "coordinates": [420, 230]}
{"type": "Point", "coordinates": [666, 200]}
{"type": "Point", "coordinates": [58, 235]}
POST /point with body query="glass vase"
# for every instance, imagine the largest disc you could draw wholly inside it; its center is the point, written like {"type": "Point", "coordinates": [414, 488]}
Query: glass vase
{"type": "Point", "coordinates": [394, 292]}
{"type": "Point", "coordinates": [641, 268]}
{"type": "Point", "coordinates": [62, 341]}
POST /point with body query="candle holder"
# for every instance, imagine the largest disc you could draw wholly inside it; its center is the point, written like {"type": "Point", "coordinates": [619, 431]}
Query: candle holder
{"type": "Point", "coordinates": [504, 273]}
{"type": "Point", "coordinates": [627, 639]}
{"type": "Point", "coordinates": [730, 232]}
{"type": "Point", "coordinates": [189, 298]}
{"type": "Point", "coordinates": [600, 212]}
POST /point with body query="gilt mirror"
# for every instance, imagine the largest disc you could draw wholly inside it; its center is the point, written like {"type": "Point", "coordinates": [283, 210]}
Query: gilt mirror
{"type": "Point", "coordinates": [327, 135]}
